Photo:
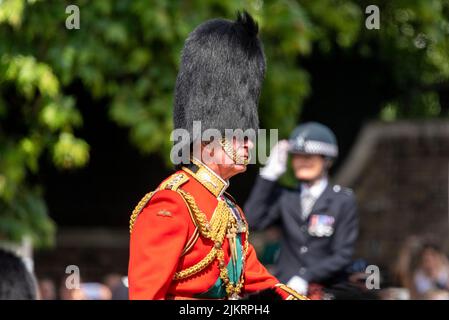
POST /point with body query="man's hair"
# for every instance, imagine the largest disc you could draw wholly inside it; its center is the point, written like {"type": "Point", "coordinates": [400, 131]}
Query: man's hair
{"type": "Point", "coordinates": [16, 283]}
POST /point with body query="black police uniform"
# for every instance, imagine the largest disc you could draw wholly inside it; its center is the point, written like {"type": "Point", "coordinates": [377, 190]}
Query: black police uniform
{"type": "Point", "coordinates": [317, 257]}
{"type": "Point", "coordinates": [318, 248]}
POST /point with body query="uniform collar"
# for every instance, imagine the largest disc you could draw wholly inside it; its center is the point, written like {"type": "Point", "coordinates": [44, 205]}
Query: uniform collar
{"type": "Point", "coordinates": [316, 189]}
{"type": "Point", "coordinates": [207, 177]}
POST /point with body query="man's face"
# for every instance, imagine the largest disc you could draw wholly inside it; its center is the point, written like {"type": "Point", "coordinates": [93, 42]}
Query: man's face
{"type": "Point", "coordinates": [308, 167]}
{"type": "Point", "coordinates": [225, 164]}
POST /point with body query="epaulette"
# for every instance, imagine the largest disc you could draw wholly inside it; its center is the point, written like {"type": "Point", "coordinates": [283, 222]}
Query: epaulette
{"type": "Point", "coordinates": [174, 181]}
{"type": "Point", "coordinates": [171, 183]}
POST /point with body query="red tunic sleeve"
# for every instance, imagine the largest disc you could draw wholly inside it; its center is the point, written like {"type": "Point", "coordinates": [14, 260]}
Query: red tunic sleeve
{"type": "Point", "coordinates": [257, 277]}
{"type": "Point", "coordinates": [157, 240]}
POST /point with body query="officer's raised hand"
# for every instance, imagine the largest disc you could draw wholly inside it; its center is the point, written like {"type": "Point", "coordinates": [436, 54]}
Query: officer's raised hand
{"type": "Point", "coordinates": [276, 162]}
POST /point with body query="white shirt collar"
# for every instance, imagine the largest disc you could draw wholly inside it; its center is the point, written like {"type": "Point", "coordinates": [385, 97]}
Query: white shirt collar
{"type": "Point", "coordinates": [316, 189]}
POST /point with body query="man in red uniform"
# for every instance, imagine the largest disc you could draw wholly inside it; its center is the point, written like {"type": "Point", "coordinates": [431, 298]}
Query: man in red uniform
{"type": "Point", "coordinates": [189, 239]}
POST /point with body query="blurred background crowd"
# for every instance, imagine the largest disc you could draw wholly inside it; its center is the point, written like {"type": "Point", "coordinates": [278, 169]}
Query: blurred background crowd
{"type": "Point", "coordinates": [85, 122]}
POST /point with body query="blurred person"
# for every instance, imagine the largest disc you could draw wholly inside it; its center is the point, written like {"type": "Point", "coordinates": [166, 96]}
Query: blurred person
{"type": "Point", "coordinates": [431, 278]}
{"type": "Point", "coordinates": [16, 282]}
{"type": "Point", "coordinates": [394, 293]}
{"type": "Point", "coordinates": [71, 291]}
{"type": "Point", "coordinates": [318, 220]}
{"type": "Point", "coordinates": [95, 291]}
{"type": "Point", "coordinates": [406, 264]}
{"type": "Point", "coordinates": [112, 280]}
{"type": "Point", "coordinates": [177, 249]}
{"type": "Point", "coordinates": [436, 295]}
{"type": "Point", "coordinates": [117, 285]}
{"type": "Point", "coordinates": [47, 289]}
{"type": "Point", "coordinates": [84, 291]}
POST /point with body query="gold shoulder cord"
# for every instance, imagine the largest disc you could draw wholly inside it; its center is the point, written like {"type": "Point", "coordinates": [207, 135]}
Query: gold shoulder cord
{"type": "Point", "coordinates": [171, 183]}
{"type": "Point", "coordinates": [142, 203]}
{"type": "Point", "coordinates": [214, 230]}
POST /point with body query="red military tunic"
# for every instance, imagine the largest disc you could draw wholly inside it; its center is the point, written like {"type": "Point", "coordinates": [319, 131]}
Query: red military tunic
{"type": "Point", "coordinates": [166, 241]}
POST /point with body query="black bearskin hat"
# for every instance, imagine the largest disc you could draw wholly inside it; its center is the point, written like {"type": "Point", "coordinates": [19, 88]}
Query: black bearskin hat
{"type": "Point", "coordinates": [220, 77]}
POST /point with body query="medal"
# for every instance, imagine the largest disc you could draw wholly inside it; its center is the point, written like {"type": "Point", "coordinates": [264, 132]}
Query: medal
{"type": "Point", "coordinates": [231, 235]}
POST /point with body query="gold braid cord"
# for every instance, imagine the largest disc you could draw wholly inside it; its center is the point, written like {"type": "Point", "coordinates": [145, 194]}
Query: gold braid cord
{"type": "Point", "coordinates": [293, 294]}
{"type": "Point", "coordinates": [172, 183]}
{"type": "Point", "coordinates": [215, 230]}
{"type": "Point", "coordinates": [142, 203]}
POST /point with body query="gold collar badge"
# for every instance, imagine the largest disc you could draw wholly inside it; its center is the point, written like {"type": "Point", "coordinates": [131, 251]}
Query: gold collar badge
{"type": "Point", "coordinates": [208, 178]}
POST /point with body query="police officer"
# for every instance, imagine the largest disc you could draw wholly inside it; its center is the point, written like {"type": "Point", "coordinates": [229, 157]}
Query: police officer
{"type": "Point", "coordinates": [318, 220]}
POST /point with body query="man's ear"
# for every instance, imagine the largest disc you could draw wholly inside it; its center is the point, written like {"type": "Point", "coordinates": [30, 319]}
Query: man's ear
{"type": "Point", "coordinates": [208, 147]}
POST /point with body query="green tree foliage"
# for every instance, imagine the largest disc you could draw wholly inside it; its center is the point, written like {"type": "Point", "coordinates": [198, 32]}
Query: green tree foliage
{"type": "Point", "coordinates": [127, 53]}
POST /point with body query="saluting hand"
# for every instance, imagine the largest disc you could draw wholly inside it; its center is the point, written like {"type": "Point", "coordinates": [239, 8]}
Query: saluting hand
{"type": "Point", "coordinates": [276, 162]}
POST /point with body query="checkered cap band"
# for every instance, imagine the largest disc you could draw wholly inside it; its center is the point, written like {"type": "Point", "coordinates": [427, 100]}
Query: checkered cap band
{"type": "Point", "coordinates": [317, 147]}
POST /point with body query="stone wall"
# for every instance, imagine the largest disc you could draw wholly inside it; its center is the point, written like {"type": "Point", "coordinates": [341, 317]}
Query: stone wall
{"type": "Point", "coordinates": [399, 172]}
